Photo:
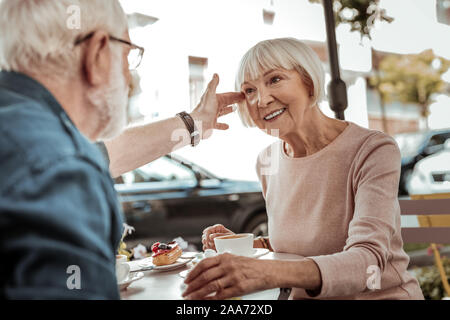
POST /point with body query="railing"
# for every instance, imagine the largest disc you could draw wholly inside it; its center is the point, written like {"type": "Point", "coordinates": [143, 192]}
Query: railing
{"type": "Point", "coordinates": [433, 215]}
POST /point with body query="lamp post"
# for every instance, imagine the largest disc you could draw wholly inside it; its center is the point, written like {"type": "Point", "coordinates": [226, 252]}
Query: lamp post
{"type": "Point", "coordinates": [337, 90]}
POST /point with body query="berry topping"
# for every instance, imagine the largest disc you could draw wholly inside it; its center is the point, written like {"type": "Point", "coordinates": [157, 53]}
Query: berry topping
{"type": "Point", "coordinates": [163, 246]}
{"type": "Point", "coordinates": [155, 247]}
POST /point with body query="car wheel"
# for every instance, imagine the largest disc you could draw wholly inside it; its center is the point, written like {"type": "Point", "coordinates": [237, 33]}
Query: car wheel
{"type": "Point", "coordinates": [257, 225]}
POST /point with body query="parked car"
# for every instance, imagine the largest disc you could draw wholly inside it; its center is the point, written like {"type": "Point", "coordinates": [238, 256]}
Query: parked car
{"type": "Point", "coordinates": [172, 197]}
{"type": "Point", "coordinates": [432, 174]}
{"type": "Point", "coordinates": [416, 146]}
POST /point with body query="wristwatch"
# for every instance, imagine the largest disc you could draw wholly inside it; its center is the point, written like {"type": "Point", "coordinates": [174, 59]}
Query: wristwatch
{"type": "Point", "coordinates": [190, 125]}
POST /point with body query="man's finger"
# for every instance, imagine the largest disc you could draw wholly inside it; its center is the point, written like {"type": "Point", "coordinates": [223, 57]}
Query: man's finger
{"type": "Point", "coordinates": [212, 86]}
{"type": "Point", "coordinates": [221, 126]}
{"type": "Point", "coordinates": [204, 279]}
{"type": "Point", "coordinates": [225, 110]}
{"type": "Point", "coordinates": [227, 293]}
{"type": "Point", "coordinates": [203, 265]}
{"type": "Point", "coordinates": [225, 99]}
{"type": "Point", "coordinates": [203, 292]}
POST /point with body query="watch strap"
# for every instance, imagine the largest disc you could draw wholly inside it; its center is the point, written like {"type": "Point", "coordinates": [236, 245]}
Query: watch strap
{"type": "Point", "coordinates": [190, 125]}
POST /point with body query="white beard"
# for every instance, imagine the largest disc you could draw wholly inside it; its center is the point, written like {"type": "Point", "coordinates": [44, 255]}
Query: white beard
{"type": "Point", "coordinates": [111, 102]}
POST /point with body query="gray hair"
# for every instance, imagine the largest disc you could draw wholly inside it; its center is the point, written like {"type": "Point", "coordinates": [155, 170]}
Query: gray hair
{"type": "Point", "coordinates": [285, 53]}
{"type": "Point", "coordinates": [37, 36]}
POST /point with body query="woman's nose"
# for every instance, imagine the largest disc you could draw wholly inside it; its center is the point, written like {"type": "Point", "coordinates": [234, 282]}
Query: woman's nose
{"type": "Point", "coordinates": [264, 99]}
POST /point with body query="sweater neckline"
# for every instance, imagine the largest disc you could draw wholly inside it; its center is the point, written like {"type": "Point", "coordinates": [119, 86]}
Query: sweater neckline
{"type": "Point", "coordinates": [331, 145]}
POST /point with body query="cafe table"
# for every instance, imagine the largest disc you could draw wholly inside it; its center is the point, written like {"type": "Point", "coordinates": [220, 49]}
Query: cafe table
{"type": "Point", "coordinates": [167, 285]}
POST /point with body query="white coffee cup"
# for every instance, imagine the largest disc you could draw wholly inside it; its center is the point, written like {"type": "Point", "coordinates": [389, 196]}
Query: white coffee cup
{"type": "Point", "coordinates": [122, 268]}
{"type": "Point", "coordinates": [239, 244]}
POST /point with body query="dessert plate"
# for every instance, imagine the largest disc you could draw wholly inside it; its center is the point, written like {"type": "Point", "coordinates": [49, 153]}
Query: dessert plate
{"type": "Point", "coordinates": [147, 265]}
{"type": "Point", "coordinates": [131, 278]}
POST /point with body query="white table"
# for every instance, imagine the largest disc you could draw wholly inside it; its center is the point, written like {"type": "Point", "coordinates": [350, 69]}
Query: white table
{"type": "Point", "coordinates": [157, 285]}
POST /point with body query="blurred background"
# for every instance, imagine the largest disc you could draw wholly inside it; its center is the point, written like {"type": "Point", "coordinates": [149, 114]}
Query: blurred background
{"type": "Point", "coordinates": [397, 76]}
{"type": "Point", "coordinates": [394, 57]}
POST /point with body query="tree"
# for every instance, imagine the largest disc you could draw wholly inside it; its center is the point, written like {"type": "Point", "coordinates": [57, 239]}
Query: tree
{"type": "Point", "coordinates": [412, 78]}
{"type": "Point", "coordinates": [360, 14]}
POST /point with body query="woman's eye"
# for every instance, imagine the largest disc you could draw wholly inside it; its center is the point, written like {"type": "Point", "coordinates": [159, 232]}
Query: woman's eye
{"type": "Point", "coordinates": [275, 79]}
{"type": "Point", "coordinates": [249, 91]}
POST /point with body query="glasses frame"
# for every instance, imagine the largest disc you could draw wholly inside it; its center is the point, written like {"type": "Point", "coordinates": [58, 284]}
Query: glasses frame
{"type": "Point", "coordinates": [132, 45]}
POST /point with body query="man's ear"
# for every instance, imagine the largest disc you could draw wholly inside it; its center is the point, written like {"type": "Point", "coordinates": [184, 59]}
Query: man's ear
{"type": "Point", "coordinates": [97, 59]}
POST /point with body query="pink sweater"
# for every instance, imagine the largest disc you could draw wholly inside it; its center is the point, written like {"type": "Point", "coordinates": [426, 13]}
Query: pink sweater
{"type": "Point", "coordinates": [339, 207]}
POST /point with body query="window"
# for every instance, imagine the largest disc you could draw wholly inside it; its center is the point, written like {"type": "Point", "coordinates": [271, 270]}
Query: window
{"type": "Point", "coordinates": [439, 139]}
{"type": "Point", "coordinates": [162, 169]}
{"type": "Point", "coordinates": [436, 143]}
{"type": "Point", "coordinates": [443, 11]}
{"type": "Point", "coordinates": [197, 67]}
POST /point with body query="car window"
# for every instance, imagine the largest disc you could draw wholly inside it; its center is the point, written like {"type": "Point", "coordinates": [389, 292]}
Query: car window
{"type": "Point", "coordinates": [436, 143]}
{"type": "Point", "coordinates": [162, 169]}
{"type": "Point", "coordinates": [438, 139]}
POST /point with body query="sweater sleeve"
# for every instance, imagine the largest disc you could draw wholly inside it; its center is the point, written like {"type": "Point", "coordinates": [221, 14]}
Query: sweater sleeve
{"type": "Point", "coordinates": [376, 172]}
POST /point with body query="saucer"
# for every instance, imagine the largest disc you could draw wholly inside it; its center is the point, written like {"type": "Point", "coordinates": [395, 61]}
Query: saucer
{"type": "Point", "coordinates": [131, 278]}
{"type": "Point", "coordinates": [184, 273]}
{"type": "Point", "coordinates": [258, 252]}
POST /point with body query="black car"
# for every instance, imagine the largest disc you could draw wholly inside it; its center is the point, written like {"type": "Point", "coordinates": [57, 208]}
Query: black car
{"type": "Point", "coordinates": [172, 197]}
{"type": "Point", "coordinates": [416, 146]}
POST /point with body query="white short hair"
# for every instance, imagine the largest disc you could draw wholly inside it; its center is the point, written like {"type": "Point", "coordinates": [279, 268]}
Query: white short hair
{"type": "Point", "coordinates": [284, 53]}
{"type": "Point", "coordinates": [38, 36]}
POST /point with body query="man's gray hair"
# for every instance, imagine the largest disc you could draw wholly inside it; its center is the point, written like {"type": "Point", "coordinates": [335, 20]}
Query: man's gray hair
{"type": "Point", "coordinates": [37, 36]}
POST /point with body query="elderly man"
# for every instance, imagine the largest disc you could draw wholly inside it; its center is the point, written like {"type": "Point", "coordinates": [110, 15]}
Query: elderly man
{"type": "Point", "coordinates": [60, 90]}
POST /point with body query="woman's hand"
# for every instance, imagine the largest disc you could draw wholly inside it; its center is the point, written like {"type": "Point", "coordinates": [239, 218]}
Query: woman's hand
{"type": "Point", "coordinates": [212, 106]}
{"type": "Point", "coordinates": [212, 232]}
{"type": "Point", "coordinates": [228, 276]}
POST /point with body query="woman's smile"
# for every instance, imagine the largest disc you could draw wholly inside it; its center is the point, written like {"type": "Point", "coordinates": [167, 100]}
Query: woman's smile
{"type": "Point", "coordinates": [272, 116]}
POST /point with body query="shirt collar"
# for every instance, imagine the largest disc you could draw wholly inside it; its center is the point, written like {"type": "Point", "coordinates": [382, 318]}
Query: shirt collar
{"type": "Point", "coordinates": [29, 87]}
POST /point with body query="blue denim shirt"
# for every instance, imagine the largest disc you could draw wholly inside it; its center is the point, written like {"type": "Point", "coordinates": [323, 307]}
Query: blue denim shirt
{"type": "Point", "coordinates": [60, 221]}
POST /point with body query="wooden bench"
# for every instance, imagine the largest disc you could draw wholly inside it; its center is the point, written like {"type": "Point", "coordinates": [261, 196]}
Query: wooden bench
{"type": "Point", "coordinates": [433, 216]}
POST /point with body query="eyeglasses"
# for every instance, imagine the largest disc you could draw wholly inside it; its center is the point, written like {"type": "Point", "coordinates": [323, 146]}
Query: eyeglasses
{"type": "Point", "coordinates": [134, 56]}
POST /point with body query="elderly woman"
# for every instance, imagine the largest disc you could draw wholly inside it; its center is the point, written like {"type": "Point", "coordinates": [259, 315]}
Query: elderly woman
{"type": "Point", "coordinates": [330, 188]}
